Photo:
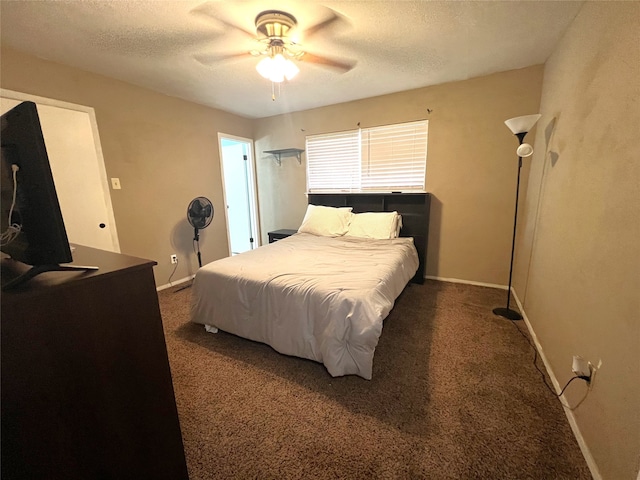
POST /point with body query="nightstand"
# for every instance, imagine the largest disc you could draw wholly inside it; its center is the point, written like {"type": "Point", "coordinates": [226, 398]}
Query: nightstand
{"type": "Point", "coordinates": [280, 234]}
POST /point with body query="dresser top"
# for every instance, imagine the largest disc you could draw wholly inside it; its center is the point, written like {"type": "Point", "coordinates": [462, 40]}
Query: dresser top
{"type": "Point", "coordinates": [108, 263]}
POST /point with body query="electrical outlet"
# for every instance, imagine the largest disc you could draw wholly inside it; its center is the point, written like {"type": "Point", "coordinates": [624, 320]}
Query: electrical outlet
{"type": "Point", "coordinates": [174, 258]}
{"type": "Point", "coordinates": [581, 367]}
{"type": "Point", "coordinates": [592, 372]}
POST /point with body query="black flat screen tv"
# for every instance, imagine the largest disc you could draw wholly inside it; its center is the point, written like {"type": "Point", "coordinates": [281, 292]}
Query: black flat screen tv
{"type": "Point", "coordinates": [33, 230]}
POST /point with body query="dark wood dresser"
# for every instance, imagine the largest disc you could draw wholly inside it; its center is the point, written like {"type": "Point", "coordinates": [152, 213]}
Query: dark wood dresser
{"type": "Point", "coordinates": [86, 384]}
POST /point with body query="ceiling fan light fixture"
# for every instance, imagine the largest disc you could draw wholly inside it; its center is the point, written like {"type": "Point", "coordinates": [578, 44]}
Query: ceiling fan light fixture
{"type": "Point", "coordinates": [275, 23]}
{"type": "Point", "coordinates": [289, 68]}
{"type": "Point", "coordinates": [277, 68]}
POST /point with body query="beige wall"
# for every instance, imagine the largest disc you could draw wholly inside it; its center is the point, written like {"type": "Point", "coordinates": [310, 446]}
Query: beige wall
{"type": "Point", "coordinates": [471, 164]}
{"type": "Point", "coordinates": [578, 269]}
{"type": "Point", "coordinates": [164, 150]}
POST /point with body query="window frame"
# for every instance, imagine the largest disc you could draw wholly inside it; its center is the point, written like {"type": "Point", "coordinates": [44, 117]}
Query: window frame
{"type": "Point", "coordinates": [401, 145]}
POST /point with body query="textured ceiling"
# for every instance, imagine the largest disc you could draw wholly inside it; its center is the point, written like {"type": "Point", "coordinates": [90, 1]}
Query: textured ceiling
{"type": "Point", "coordinates": [174, 47]}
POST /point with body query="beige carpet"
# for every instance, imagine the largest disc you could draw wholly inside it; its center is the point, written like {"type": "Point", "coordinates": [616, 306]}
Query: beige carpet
{"type": "Point", "coordinates": [454, 395]}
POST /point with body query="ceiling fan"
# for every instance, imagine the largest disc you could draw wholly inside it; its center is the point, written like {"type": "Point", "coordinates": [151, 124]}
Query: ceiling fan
{"type": "Point", "coordinates": [278, 48]}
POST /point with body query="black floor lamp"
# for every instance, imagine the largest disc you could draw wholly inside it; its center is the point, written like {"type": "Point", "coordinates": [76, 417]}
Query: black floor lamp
{"type": "Point", "coordinates": [520, 126]}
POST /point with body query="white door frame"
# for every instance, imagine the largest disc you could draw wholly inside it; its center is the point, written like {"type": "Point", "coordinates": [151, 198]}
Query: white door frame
{"type": "Point", "coordinates": [253, 197]}
{"type": "Point", "coordinates": [13, 95]}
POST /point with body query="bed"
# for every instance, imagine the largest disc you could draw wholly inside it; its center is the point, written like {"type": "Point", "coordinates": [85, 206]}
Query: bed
{"type": "Point", "coordinates": [320, 297]}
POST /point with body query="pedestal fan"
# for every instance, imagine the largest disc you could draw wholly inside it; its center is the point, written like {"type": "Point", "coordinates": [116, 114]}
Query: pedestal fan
{"type": "Point", "coordinates": [199, 214]}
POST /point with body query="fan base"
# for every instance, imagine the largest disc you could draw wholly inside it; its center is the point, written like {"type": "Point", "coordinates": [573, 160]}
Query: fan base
{"type": "Point", "coordinates": [507, 313]}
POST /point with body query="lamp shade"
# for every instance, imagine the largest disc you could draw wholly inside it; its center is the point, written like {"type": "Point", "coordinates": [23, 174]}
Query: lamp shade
{"type": "Point", "coordinates": [522, 124]}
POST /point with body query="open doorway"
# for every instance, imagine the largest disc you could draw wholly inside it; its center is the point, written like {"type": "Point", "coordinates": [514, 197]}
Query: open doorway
{"type": "Point", "coordinates": [238, 175]}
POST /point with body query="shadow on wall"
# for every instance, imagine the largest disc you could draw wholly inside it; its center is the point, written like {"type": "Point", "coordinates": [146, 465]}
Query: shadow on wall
{"type": "Point", "coordinates": [433, 239]}
{"type": "Point", "coordinates": [548, 136]}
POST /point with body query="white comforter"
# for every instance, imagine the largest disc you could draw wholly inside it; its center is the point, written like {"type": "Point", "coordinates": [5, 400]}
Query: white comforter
{"type": "Point", "coordinates": [313, 297]}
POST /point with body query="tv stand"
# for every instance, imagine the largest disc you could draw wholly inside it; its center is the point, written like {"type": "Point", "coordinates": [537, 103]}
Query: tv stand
{"type": "Point", "coordinates": [86, 388]}
{"type": "Point", "coordinates": [38, 269]}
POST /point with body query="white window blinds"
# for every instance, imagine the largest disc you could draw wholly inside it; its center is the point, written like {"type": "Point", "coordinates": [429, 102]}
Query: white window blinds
{"type": "Point", "coordinates": [333, 162]}
{"type": "Point", "coordinates": [390, 157]}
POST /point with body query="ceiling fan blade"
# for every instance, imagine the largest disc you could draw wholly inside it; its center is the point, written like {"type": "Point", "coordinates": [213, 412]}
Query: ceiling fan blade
{"type": "Point", "coordinates": [311, 58]}
{"type": "Point", "coordinates": [209, 10]}
{"type": "Point", "coordinates": [211, 58]}
{"type": "Point", "coordinates": [309, 32]}
{"type": "Point", "coordinates": [247, 33]}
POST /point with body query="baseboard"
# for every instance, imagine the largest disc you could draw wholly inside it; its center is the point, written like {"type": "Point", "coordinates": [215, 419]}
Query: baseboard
{"type": "Point", "coordinates": [591, 463]}
{"type": "Point", "coordinates": [173, 284]}
{"type": "Point", "coordinates": [468, 282]}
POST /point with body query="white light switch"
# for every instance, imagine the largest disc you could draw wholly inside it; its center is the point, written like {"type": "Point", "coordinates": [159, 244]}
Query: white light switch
{"type": "Point", "coordinates": [115, 183]}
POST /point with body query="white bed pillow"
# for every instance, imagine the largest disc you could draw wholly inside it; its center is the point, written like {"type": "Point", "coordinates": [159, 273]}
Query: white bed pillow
{"type": "Point", "coordinates": [398, 225]}
{"type": "Point", "coordinates": [326, 221]}
{"type": "Point", "coordinates": [380, 225]}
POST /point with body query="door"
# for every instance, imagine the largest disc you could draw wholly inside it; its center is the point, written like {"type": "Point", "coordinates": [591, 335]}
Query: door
{"type": "Point", "coordinates": [75, 157]}
{"type": "Point", "coordinates": [239, 193]}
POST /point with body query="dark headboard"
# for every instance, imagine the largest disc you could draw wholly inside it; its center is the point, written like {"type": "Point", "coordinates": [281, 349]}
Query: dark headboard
{"type": "Point", "coordinates": [414, 208]}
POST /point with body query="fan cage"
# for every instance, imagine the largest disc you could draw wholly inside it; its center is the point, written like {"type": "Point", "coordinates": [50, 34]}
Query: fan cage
{"type": "Point", "coordinates": [200, 212]}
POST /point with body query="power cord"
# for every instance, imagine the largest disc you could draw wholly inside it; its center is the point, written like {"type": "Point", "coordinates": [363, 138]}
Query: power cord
{"type": "Point", "coordinates": [172, 273]}
{"type": "Point", "coordinates": [544, 376]}
{"type": "Point", "coordinates": [13, 230]}
{"type": "Point", "coordinates": [567, 384]}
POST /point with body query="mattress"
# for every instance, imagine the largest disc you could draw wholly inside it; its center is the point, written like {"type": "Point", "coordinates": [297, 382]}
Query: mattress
{"type": "Point", "coordinates": [320, 298]}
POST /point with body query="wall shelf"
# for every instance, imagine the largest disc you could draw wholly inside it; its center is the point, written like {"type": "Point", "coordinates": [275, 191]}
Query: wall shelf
{"type": "Point", "coordinates": [286, 152]}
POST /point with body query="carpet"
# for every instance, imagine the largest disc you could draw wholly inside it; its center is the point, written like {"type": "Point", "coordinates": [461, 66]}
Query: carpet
{"type": "Point", "coordinates": [454, 395]}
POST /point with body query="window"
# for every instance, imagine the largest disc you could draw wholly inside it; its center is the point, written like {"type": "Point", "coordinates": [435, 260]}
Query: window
{"type": "Point", "coordinates": [386, 158]}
